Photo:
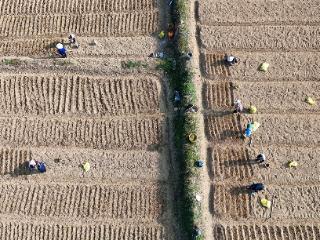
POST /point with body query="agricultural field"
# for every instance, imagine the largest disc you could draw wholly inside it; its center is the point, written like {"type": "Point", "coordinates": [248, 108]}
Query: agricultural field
{"type": "Point", "coordinates": [285, 35]}
{"type": "Point", "coordinates": [106, 103]}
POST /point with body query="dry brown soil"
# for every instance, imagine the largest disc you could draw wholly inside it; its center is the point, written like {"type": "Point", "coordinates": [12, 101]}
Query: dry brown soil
{"type": "Point", "coordinates": [88, 107]}
{"type": "Point", "coordinates": [284, 34]}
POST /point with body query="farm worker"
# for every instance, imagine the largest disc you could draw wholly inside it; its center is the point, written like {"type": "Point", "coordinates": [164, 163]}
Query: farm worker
{"type": "Point", "coordinates": [248, 131]}
{"type": "Point", "coordinates": [230, 60]}
{"type": "Point", "coordinates": [41, 167]}
{"type": "Point", "coordinates": [256, 187]}
{"type": "Point", "coordinates": [72, 40]}
{"type": "Point", "coordinates": [199, 163]}
{"type": "Point", "coordinates": [191, 108]}
{"type": "Point", "coordinates": [238, 106]}
{"type": "Point", "coordinates": [177, 97]}
{"type": "Point", "coordinates": [32, 165]}
{"type": "Point", "coordinates": [62, 50]}
{"type": "Point", "coordinates": [261, 158]}
{"type": "Point", "coordinates": [196, 232]}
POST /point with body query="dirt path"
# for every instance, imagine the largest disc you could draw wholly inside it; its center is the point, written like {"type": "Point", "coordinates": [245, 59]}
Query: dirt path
{"type": "Point", "coordinates": [205, 186]}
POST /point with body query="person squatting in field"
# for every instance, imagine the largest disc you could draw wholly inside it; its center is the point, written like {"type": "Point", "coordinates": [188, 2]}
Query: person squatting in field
{"type": "Point", "coordinates": [238, 106]}
{"type": "Point", "coordinates": [72, 41]}
{"type": "Point", "coordinates": [62, 51]}
{"type": "Point", "coordinates": [261, 158]}
{"type": "Point", "coordinates": [256, 187]}
{"type": "Point", "coordinates": [40, 166]}
{"type": "Point", "coordinates": [230, 60]}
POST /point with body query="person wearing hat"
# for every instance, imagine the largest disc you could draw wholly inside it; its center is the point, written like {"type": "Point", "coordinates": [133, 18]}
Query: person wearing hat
{"type": "Point", "coordinates": [32, 165]}
{"type": "Point", "coordinates": [261, 158]}
{"type": "Point", "coordinates": [61, 50]}
{"type": "Point", "coordinates": [230, 60]}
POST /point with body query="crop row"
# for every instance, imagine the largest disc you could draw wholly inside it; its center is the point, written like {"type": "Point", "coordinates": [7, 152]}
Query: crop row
{"type": "Point", "coordinates": [81, 201]}
{"type": "Point", "coordinates": [284, 66]}
{"type": "Point", "coordinates": [106, 47]}
{"type": "Point", "coordinates": [117, 24]}
{"type": "Point", "coordinates": [60, 231]}
{"type": "Point", "coordinates": [17, 7]}
{"type": "Point", "coordinates": [288, 202]}
{"type": "Point", "coordinates": [63, 163]}
{"type": "Point", "coordinates": [214, 12]}
{"type": "Point", "coordinates": [266, 232]}
{"type": "Point", "coordinates": [78, 95]}
{"type": "Point", "coordinates": [289, 38]}
{"type": "Point", "coordinates": [129, 133]}
{"type": "Point", "coordinates": [218, 95]}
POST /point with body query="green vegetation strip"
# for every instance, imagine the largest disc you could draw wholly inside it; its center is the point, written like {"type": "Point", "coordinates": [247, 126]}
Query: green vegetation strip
{"type": "Point", "coordinates": [187, 153]}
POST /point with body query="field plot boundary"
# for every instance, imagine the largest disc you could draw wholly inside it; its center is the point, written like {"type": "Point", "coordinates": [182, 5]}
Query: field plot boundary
{"type": "Point", "coordinates": [129, 133]}
{"type": "Point", "coordinates": [65, 164]}
{"type": "Point", "coordinates": [137, 46]}
{"type": "Point", "coordinates": [258, 12]}
{"type": "Point", "coordinates": [118, 24]}
{"type": "Point", "coordinates": [267, 231]}
{"type": "Point", "coordinates": [72, 6]}
{"type": "Point", "coordinates": [34, 94]}
{"type": "Point", "coordinates": [257, 38]}
{"type": "Point", "coordinates": [94, 201]}
{"type": "Point", "coordinates": [285, 65]}
{"type": "Point", "coordinates": [32, 230]}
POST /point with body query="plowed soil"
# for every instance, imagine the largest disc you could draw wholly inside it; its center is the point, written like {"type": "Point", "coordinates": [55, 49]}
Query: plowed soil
{"type": "Point", "coordinates": [283, 34]}
{"type": "Point", "coordinates": [214, 12]}
{"type": "Point", "coordinates": [105, 104]}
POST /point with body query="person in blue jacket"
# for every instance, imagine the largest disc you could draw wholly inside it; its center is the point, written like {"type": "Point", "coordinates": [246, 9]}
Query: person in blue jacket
{"type": "Point", "coordinates": [61, 50]}
{"type": "Point", "coordinates": [41, 167]}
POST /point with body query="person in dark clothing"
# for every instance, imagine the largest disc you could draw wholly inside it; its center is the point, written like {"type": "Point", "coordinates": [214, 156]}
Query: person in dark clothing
{"type": "Point", "coordinates": [261, 158]}
{"type": "Point", "coordinates": [230, 60]}
{"type": "Point", "coordinates": [256, 187]}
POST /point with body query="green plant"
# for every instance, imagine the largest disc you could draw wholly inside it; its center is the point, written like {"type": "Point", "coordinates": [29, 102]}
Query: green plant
{"type": "Point", "coordinates": [168, 65]}
{"type": "Point", "coordinates": [133, 64]}
{"type": "Point", "coordinates": [181, 79]}
{"type": "Point", "coordinates": [11, 61]}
